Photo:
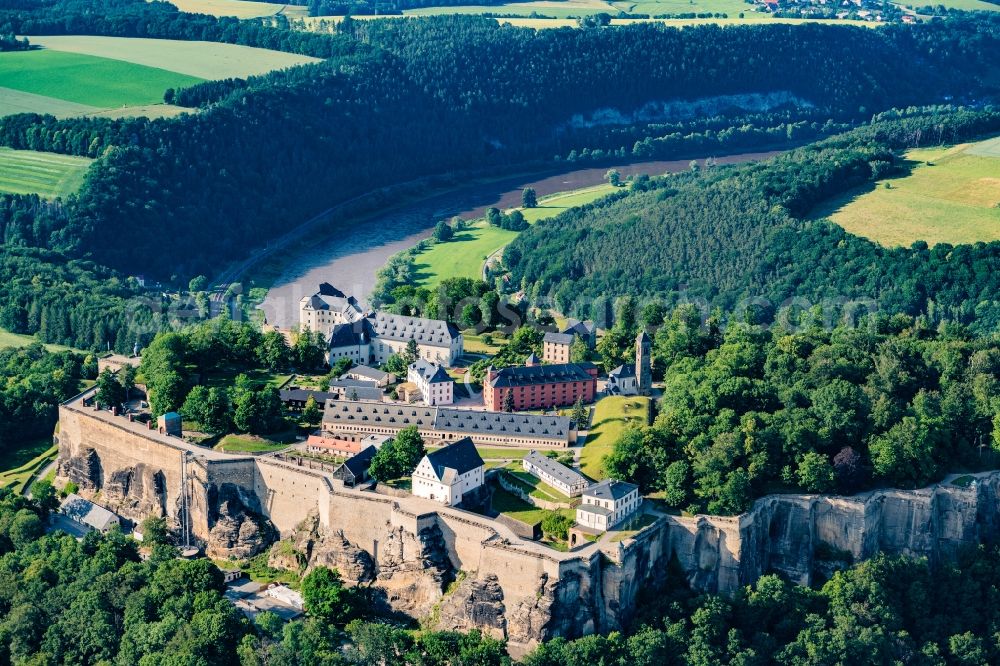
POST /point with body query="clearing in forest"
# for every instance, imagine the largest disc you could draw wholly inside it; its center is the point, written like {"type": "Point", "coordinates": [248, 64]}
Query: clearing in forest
{"type": "Point", "coordinates": [949, 195]}
{"type": "Point", "coordinates": [46, 174]}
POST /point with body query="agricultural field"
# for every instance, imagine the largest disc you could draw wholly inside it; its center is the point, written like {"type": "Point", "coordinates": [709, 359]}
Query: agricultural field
{"type": "Point", "coordinates": [965, 5]}
{"type": "Point", "coordinates": [465, 255]}
{"type": "Point", "coordinates": [8, 339]}
{"type": "Point", "coordinates": [611, 416]}
{"type": "Point", "coordinates": [118, 76]}
{"type": "Point", "coordinates": [241, 9]}
{"type": "Point", "coordinates": [950, 195]}
{"type": "Point", "coordinates": [203, 60]}
{"type": "Point", "coordinates": [46, 174]}
{"type": "Point", "coordinates": [86, 79]}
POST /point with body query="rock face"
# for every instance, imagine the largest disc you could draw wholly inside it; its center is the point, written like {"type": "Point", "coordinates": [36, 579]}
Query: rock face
{"type": "Point", "coordinates": [236, 531]}
{"type": "Point", "coordinates": [413, 569]}
{"type": "Point", "coordinates": [476, 604]}
{"type": "Point", "coordinates": [136, 492]}
{"type": "Point", "coordinates": [84, 470]}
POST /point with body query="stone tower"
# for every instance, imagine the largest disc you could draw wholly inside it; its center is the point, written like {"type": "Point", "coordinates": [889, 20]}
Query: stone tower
{"type": "Point", "coordinates": [643, 362]}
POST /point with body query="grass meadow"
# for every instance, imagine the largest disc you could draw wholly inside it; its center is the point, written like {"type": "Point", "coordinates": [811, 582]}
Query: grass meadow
{"type": "Point", "coordinates": [465, 255]}
{"type": "Point", "coordinates": [46, 174]}
{"type": "Point", "coordinates": [85, 79]}
{"type": "Point", "coordinates": [8, 339]}
{"type": "Point", "coordinates": [22, 464]}
{"type": "Point", "coordinates": [202, 60]}
{"type": "Point", "coordinates": [949, 195]}
{"type": "Point", "coordinates": [241, 9]}
{"type": "Point", "coordinates": [611, 416]}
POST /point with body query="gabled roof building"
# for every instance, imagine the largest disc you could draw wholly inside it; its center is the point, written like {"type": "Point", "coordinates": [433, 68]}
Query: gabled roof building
{"type": "Point", "coordinates": [565, 479]}
{"type": "Point", "coordinates": [537, 386]}
{"type": "Point", "coordinates": [449, 474]}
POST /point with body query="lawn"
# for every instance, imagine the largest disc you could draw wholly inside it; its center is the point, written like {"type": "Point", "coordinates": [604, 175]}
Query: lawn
{"type": "Point", "coordinates": [949, 195]}
{"type": "Point", "coordinates": [47, 174]}
{"type": "Point", "coordinates": [254, 444]}
{"type": "Point", "coordinates": [226, 377]}
{"type": "Point", "coordinates": [611, 416]}
{"type": "Point", "coordinates": [8, 339]}
{"type": "Point", "coordinates": [23, 463]}
{"type": "Point", "coordinates": [85, 79]}
{"type": "Point", "coordinates": [487, 453]}
{"type": "Point", "coordinates": [536, 488]}
{"type": "Point", "coordinates": [204, 60]}
{"type": "Point", "coordinates": [632, 526]}
{"type": "Point", "coordinates": [475, 344]}
{"type": "Point", "coordinates": [17, 101]}
{"type": "Point", "coordinates": [516, 508]}
{"type": "Point", "coordinates": [465, 254]}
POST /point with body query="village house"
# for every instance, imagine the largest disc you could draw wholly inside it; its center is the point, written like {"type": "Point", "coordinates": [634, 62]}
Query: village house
{"type": "Point", "coordinates": [537, 386]}
{"type": "Point", "coordinates": [435, 385]}
{"type": "Point", "coordinates": [606, 504]}
{"type": "Point", "coordinates": [449, 474]}
{"type": "Point", "coordinates": [565, 479]}
{"type": "Point", "coordinates": [449, 424]}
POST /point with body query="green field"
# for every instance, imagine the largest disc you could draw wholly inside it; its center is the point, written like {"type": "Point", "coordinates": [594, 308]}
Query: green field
{"type": "Point", "coordinates": [536, 487]}
{"type": "Point", "coordinates": [242, 9]}
{"type": "Point", "coordinates": [464, 256]}
{"type": "Point", "coordinates": [8, 339]}
{"type": "Point", "coordinates": [518, 509]}
{"type": "Point", "coordinates": [85, 79]}
{"type": "Point", "coordinates": [18, 101]}
{"type": "Point", "coordinates": [252, 444]}
{"type": "Point", "coordinates": [611, 416]}
{"type": "Point", "coordinates": [950, 195]}
{"type": "Point", "coordinates": [47, 174]}
{"type": "Point", "coordinates": [203, 60]}
{"type": "Point", "coordinates": [22, 464]}
{"type": "Point", "coordinates": [966, 5]}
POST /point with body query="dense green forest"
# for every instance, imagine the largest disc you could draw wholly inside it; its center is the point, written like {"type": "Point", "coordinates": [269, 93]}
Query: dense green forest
{"type": "Point", "coordinates": [96, 601]}
{"type": "Point", "coordinates": [800, 407]}
{"type": "Point", "coordinates": [735, 237]}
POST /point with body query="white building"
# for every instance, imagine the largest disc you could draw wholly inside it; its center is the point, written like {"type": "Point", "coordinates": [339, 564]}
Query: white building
{"type": "Point", "coordinates": [606, 504]}
{"type": "Point", "coordinates": [623, 381]}
{"type": "Point", "coordinates": [448, 474]}
{"type": "Point", "coordinates": [88, 514]}
{"type": "Point", "coordinates": [565, 479]}
{"type": "Point", "coordinates": [285, 595]}
{"type": "Point", "coordinates": [376, 337]}
{"type": "Point", "coordinates": [327, 308]}
{"type": "Point", "coordinates": [435, 385]}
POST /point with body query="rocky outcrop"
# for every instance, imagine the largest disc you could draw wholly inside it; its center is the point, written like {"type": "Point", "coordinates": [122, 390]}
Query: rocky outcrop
{"type": "Point", "coordinates": [336, 552]}
{"type": "Point", "coordinates": [236, 531]}
{"type": "Point", "coordinates": [136, 492]}
{"type": "Point", "coordinates": [84, 470]}
{"type": "Point", "coordinates": [475, 604]}
{"type": "Point", "coordinates": [413, 569]}
{"type": "Point", "coordinates": [530, 619]}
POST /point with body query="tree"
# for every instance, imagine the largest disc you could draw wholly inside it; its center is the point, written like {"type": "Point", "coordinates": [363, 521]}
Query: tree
{"type": "Point", "coordinates": [579, 416]}
{"type": "Point", "coordinates": [396, 364]}
{"type": "Point", "coordinates": [109, 392]}
{"type": "Point", "coordinates": [154, 530]}
{"type": "Point", "coordinates": [815, 473]}
{"type": "Point", "coordinates": [579, 350]}
{"type": "Point", "coordinates": [126, 377]}
{"type": "Point", "coordinates": [507, 401]}
{"type": "Point", "coordinates": [412, 352]}
{"type": "Point", "coordinates": [528, 198]}
{"type": "Point", "coordinates": [494, 216]}
{"type": "Point", "coordinates": [614, 177]}
{"type": "Point", "coordinates": [342, 365]}
{"type": "Point", "coordinates": [209, 407]}
{"type": "Point", "coordinates": [257, 410]}
{"type": "Point", "coordinates": [443, 232]}
{"type": "Point", "coordinates": [408, 447]}
{"type": "Point", "coordinates": [848, 470]}
{"type": "Point", "coordinates": [677, 483]}
{"type": "Point", "coordinates": [198, 283]}
{"type": "Point", "coordinates": [556, 526]}
{"type": "Point", "coordinates": [326, 598]}
{"type": "Point", "coordinates": [273, 351]}
{"type": "Point", "coordinates": [311, 413]}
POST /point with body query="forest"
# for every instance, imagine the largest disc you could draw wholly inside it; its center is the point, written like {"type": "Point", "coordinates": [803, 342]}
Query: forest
{"type": "Point", "coordinates": [103, 600]}
{"type": "Point", "coordinates": [736, 238]}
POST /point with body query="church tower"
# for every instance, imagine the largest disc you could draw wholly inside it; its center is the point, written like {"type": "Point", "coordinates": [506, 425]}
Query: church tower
{"type": "Point", "coordinates": [643, 362]}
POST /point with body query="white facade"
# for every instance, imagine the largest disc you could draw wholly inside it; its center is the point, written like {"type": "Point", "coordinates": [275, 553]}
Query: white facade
{"type": "Point", "coordinates": [602, 510]}
{"type": "Point", "coordinates": [434, 384]}
{"type": "Point", "coordinates": [564, 479]}
{"type": "Point", "coordinates": [445, 354]}
{"type": "Point", "coordinates": [321, 313]}
{"type": "Point", "coordinates": [447, 478]}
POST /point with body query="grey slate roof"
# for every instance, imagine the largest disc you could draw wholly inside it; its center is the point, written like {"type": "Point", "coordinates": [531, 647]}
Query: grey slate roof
{"type": "Point", "coordinates": [622, 371]}
{"type": "Point", "coordinates": [347, 382]}
{"type": "Point", "coordinates": [558, 338]}
{"type": "Point", "coordinates": [592, 508]}
{"type": "Point", "coordinates": [402, 328]}
{"type": "Point", "coordinates": [369, 372]}
{"type": "Point", "coordinates": [359, 463]}
{"type": "Point", "coordinates": [610, 489]}
{"type": "Point", "coordinates": [539, 374]}
{"type": "Point", "coordinates": [533, 359]}
{"type": "Point", "coordinates": [303, 395]}
{"type": "Point", "coordinates": [461, 456]}
{"type": "Point", "coordinates": [350, 335]}
{"type": "Point", "coordinates": [430, 372]}
{"type": "Point", "coordinates": [447, 419]}
{"type": "Point", "coordinates": [582, 328]}
{"type": "Point", "coordinates": [86, 512]}
{"type": "Point", "coordinates": [555, 469]}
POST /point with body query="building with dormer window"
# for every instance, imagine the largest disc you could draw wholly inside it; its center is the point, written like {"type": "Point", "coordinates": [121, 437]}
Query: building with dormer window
{"type": "Point", "coordinates": [449, 474]}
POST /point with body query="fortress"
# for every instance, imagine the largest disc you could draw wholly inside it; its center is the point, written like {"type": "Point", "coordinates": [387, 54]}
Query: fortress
{"type": "Point", "coordinates": [410, 550]}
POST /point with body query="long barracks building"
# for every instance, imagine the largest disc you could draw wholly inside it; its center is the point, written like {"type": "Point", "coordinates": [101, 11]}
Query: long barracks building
{"type": "Point", "coordinates": [447, 424]}
{"type": "Point", "coordinates": [537, 386]}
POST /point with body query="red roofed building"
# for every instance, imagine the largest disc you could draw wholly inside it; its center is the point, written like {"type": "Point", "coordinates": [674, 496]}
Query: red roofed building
{"type": "Point", "coordinates": [537, 386]}
{"type": "Point", "coordinates": [338, 448]}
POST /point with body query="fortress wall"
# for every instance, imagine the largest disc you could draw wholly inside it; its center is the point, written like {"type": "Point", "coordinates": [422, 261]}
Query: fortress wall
{"type": "Point", "coordinates": [363, 518]}
{"type": "Point", "coordinates": [286, 493]}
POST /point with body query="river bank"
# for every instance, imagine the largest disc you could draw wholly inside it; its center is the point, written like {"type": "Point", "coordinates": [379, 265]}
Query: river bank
{"type": "Point", "coordinates": [351, 261]}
